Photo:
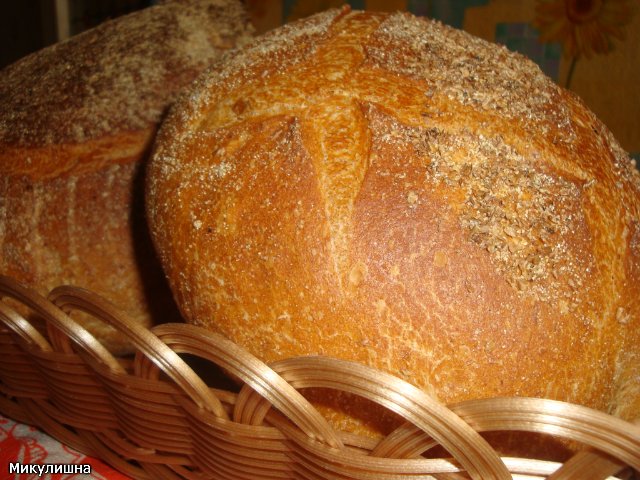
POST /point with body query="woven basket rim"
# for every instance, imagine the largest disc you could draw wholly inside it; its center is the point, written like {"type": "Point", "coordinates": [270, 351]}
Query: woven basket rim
{"type": "Point", "coordinates": [156, 418]}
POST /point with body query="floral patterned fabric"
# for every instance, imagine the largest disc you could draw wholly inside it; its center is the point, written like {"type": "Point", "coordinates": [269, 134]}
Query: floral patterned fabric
{"type": "Point", "coordinates": [29, 446]}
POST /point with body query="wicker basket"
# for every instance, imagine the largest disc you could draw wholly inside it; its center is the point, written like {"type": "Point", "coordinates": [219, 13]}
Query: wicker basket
{"type": "Point", "coordinates": [154, 418]}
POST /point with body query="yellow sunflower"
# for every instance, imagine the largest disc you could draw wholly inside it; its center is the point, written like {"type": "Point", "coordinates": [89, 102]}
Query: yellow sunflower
{"type": "Point", "coordinates": [584, 27]}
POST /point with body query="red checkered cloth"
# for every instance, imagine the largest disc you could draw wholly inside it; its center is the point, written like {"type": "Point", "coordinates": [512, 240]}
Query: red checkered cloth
{"type": "Point", "coordinates": [29, 446]}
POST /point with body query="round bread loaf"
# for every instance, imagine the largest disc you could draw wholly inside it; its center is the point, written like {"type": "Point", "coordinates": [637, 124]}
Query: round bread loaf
{"type": "Point", "coordinates": [386, 189]}
{"type": "Point", "coordinates": [76, 122]}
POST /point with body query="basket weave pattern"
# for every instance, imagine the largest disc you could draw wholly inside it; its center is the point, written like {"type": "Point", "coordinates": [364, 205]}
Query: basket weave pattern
{"type": "Point", "coordinates": [154, 418]}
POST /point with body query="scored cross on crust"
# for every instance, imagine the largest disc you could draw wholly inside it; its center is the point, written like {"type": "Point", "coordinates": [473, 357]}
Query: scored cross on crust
{"type": "Point", "coordinates": [386, 189]}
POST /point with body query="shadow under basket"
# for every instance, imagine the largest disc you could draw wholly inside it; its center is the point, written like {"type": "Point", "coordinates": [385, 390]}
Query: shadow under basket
{"type": "Point", "coordinates": [153, 417]}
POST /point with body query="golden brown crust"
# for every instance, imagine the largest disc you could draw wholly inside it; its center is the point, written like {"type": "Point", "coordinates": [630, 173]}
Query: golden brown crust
{"type": "Point", "coordinates": [76, 123]}
{"type": "Point", "coordinates": [44, 162]}
{"type": "Point", "coordinates": [390, 190]}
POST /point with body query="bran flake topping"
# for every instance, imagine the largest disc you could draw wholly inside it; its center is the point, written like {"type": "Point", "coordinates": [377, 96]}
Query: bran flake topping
{"type": "Point", "coordinates": [118, 76]}
{"type": "Point", "coordinates": [522, 215]}
{"type": "Point", "coordinates": [470, 71]}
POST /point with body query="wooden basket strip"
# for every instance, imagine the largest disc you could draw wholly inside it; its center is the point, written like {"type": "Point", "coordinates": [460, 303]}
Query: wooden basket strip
{"type": "Point", "coordinates": [86, 418]}
{"type": "Point", "coordinates": [75, 387]}
{"type": "Point", "coordinates": [213, 436]}
{"type": "Point", "coordinates": [122, 464]}
{"type": "Point", "coordinates": [73, 298]}
{"type": "Point", "coordinates": [445, 469]}
{"type": "Point", "coordinates": [220, 465]}
{"type": "Point", "coordinates": [302, 472]}
{"type": "Point", "coordinates": [18, 372]}
{"type": "Point", "coordinates": [63, 331]}
{"type": "Point", "coordinates": [72, 418]}
{"type": "Point", "coordinates": [269, 449]}
{"type": "Point", "coordinates": [457, 437]}
{"type": "Point", "coordinates": [20, 369]}
{"type": "Point", "coordinates": [261, 450]}
{"type": "Point", "coordinates": [334, 469]}
{"type": "Point", "coordinates": [590, 464]}
{"type": "Point", "coordinates": [354, 444]}
{"type": "Point", "coordinates": [172, 423]}
{"type": "Point", "coordinates": [406, 441]}
{"type": "Point", "coordinates": [122, 446]}
{"type": "Point", "coordinates": [16, 383]}
{"type": "Point", "coordinates": [591, 427]}
{"type": "Point", "coordinates": [354, 466]}
{"type": "Point", "coordinates": [74, 390]}
{"type": "Point", "coordinates": [26, 332]}
{"type": "Point", "coordinates": [269, 463]}
{"type": "Point", "coordinates": [251, 408]}
{"type": "Point", "coordinates": [226, 472]}
{"type": "Point", "coordinates": [138, 388]}
{"type": "Point", "coordinates": [127, 450]}
{"type": "Point", "coordinates": [227, 355]}
{"type": "Point", "coordinates": [160, 433]}
{"type": "Point", "coordinates": [139, 415]}
{"type": "Point", "coordinates": [208, 428]}
{"type": "Point", "coordinates": [357, 443]}
{"type": "Point", "coordinates": [161, 472]}
{"type": "Point", "coordinates": [153, 436]}
{"type": "Point", "coordinates": [454, 476]}
{"type": "Point", "coordinates": [219, 441]}
{"type": "Point", "coordinates": [228, 399]}
{"type": "Point", "coordinates": [142, 406]}
{"type": "Point", "coordinates": [582, 424]}
{"type": "Point", "coordinates": [49, 421]}
{"type": "Point", "coordinates": [543, 469]}
{"type": "Point", "coordinates": [536, 468]}
{"type": "Point", "coordinates": [157, 438]}
{"type": "Point", "coordinates": [68, 370]}
{"type": "Point", "coordinates": [15, 410]}
{"type": "Point", "coordinates": [187, 474]}
{"type": "Point", "coordinates": [330, 469]}
{"type": "Point", "coordinates": [136, 402]}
